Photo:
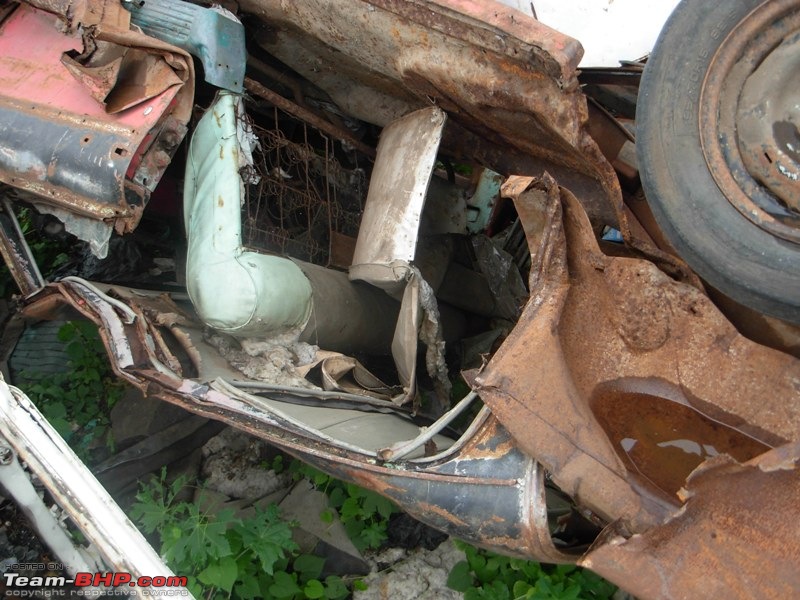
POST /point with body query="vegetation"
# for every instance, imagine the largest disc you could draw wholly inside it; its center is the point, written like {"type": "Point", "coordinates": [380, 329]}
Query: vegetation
{"type": "Point", "coordinates": [78, 403]}
{"type": "Point", "coordinates": [228, 556]}
{"type": "Point", "coordinates": [364, 513]}
{"type": "Point", "coordinates": [488, 576]}
{"type": "Point", "coordinates": [49, 254]}
{"type": "Point", "coordinates": [224, 556]}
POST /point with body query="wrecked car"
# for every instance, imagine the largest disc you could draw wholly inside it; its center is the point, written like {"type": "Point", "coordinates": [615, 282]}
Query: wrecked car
{"type": "Point", "coordinates": [379, 197]}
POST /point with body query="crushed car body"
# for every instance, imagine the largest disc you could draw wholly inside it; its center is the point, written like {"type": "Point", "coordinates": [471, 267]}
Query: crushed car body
{"type": "Point", "coordinates": [336, 250]}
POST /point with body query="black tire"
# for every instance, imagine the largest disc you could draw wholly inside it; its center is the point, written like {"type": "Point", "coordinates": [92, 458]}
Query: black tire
{"type": "Point", "coordinates": [729, 251]}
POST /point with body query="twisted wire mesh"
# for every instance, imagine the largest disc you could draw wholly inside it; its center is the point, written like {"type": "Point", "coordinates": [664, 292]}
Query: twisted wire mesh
{"type": "Point", "coordinates": [302, 194]}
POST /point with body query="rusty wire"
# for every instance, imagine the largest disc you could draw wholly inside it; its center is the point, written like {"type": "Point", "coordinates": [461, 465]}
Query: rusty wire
{"type": "Point", "coordinates": [303, 192]}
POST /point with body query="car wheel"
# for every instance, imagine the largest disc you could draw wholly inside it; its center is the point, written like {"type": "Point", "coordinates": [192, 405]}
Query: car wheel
{"type": "Point", "coordinates": [719, 150]}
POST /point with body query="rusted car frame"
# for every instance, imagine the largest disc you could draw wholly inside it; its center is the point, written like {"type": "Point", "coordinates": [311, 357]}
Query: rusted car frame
{"type": "Point", "coordinates": [622, 386]}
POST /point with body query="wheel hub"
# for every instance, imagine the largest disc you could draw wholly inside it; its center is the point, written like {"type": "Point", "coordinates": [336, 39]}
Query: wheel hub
{"type": "Point", "coordinates": [767, 120]}
{"type": "Point", "coordinates": [749, 117]}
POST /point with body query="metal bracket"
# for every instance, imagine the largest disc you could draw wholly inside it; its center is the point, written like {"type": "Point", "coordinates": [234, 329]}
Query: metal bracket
{"type": "Point", "coordinates": [215, 36]}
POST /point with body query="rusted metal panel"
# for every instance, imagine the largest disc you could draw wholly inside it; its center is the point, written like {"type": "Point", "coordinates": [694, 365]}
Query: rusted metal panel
{"type": "Point", "coordinates": [545, 413]}
{"type": "Point", "coordinates": [495, 27]}
{"type": "Point", "coordinates": [603, 329]}
{"type": "Point", "coordinates": [736, 537]}
{"type": "Point", "coordinates": [508, 84]}
{"type": "Point", "coordinates": [747, 135]}
{"type": "Point", "coordinates": [499, 74]}
{"type": "Point", "coordinates": [75, 14]}
{"type": "Point", "coordinates": [621, 382]}
{"type": "Point", "coordinates": [488, 492]}
{"type": "Point", "coordinates": [60, 143]}
{"type": "Point", "coordinates": [483, 474]}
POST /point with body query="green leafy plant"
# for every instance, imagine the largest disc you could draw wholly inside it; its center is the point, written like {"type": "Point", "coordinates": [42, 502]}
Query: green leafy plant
{"type": "Point", "coordinates": [488, 576]}
{"type": "Point", "coordinates": [78, 403]}
{"type": "Point", "coordinates": [224, 556]}
{"type": "Point", "coordinates": [364, 513]}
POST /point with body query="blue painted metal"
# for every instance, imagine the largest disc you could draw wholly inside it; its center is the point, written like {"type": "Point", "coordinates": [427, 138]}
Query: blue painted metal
{"type": "Point", "coordinates": [213, 36]}
{"type": "Point", "coordinates": [479, 207]}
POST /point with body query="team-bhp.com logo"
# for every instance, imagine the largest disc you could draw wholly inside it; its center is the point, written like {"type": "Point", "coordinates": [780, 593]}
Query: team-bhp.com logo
{"type": "Point", "coordinates": [158, 585]}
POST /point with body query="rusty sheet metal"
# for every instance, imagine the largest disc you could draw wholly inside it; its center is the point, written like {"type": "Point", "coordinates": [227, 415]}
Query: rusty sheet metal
{"type": "Point", "coordinates": [498, 28]}
{"type": "Point", "coordinates": [503, 78]}
{"type": "Point", "coordinates": [736, 536]}
{"type": "Point", "coordinates": [76, 13]}
{"type": "Point", "coordinates": [488, 492]}
{"type": "Point", "coordinates": [611, 337]}
{"type": "Point", "coordinates": [487, 488]}
{"type": "Point", "coordinates": [765, 125]}
{"type": "Point", "coordinates": [60, 143]}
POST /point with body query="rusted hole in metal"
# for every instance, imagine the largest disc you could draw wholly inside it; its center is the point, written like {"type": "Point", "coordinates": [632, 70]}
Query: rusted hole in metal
{"type": "Point", "coordinates": [787, 138]}
{"type": "Point", "coordinates": [660, 437]}
{"type": "Point", "coordinates": [120, 151]}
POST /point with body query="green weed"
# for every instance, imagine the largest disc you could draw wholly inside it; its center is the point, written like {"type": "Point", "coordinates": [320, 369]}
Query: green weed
{"type": "Point", "coordinates": [364, 513]}
{"type": "Point", "coordinates": [224, 556]}
{"type": "Point", "coordinates": [49, 254]}
{"type": "Point", "coordinates": [78, 403]}
{"type": "Point", "coordinates": [488, 576]}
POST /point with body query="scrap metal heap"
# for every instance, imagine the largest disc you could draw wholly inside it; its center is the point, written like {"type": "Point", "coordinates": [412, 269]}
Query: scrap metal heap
{"type": "Point", "coordinates": [619, 383]}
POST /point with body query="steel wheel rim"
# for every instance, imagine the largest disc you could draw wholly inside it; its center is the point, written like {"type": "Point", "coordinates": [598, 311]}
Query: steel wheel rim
{"type": "Point", "coordinates": [738, 143]}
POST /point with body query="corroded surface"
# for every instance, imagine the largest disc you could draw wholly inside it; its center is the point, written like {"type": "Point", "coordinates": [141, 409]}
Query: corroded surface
{"type": "Point", "coordinates": [749, 159]}
{"type": "Point", "coordinates": [734, 538]}
{"type": "Point", "coordinates": [75, 133]}
{"type": "Point", "coordinates": [484, 474]}
{"type": "Point", "coordinates": [501, 76]}
{"type": "Point", "coordinates": [594, 321]}
{"type": "Point", "coordinates": [540, 386]}
{"type": "Point", "coordinates": [622, 379]}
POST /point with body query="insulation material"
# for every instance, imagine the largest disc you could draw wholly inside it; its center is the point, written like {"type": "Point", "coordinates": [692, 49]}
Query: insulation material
{"type": "Point", "coordinates": [233, 289]}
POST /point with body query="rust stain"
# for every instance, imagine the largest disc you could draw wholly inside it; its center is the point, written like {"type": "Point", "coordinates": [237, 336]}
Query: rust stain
{"type": "Point", "coordinates": [86, 174]}
{"type": "Point", "coordinates": [742, 149]}
{"type": "Point", "coordinates": [589, 323]}
{"type": "Point", "coordinates": [432, 509]}
{"type": "Point", "coordinates": [503, 78]}
{"type": "Point", "coordinates": [593, 325]}
{"type": "Point", "coordinates": [220, 202]}
{"type": "Point", "coordinates": [661, 439]}
{"type": "Point", "coordinates": [735, 525]}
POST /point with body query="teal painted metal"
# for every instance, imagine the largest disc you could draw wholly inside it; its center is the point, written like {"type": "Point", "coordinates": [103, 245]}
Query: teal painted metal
{"type": "Point", "coordinates": [215, 36]}
{"type": "Point", "coordinates": [480, 206]}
